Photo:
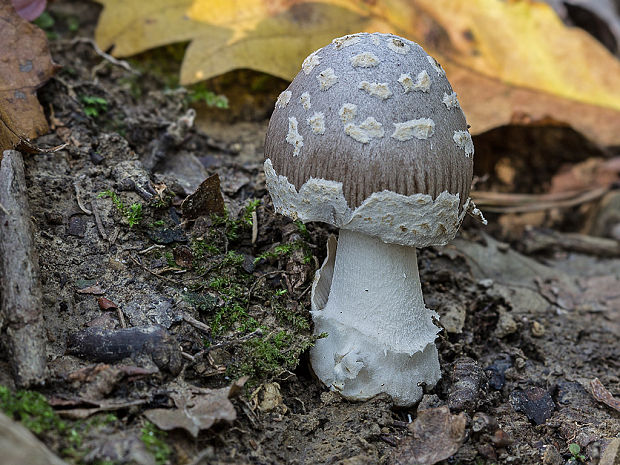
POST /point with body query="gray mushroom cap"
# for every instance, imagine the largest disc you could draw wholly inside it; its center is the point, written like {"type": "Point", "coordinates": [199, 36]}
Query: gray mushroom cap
{"type": "Point", "coordinates": [375, 112]}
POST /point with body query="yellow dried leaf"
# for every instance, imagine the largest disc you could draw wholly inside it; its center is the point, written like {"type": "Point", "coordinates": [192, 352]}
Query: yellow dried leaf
{"type": "Point", "coordinates": [518, 52]}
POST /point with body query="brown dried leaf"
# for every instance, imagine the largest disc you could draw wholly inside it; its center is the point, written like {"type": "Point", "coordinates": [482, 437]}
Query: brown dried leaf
{"type": "Point", "coordinates": [601, 394]}
{"type": "Point", "coordinates": [206, 200]}
{"type": "Point", "coordinates": [106, 304]}
{"type": "Point", "coordinates": [25, 66]}
{"type": "Point", "coordinates": [196, 412]}
{"type": "Point", "coordinates": [437, 435]}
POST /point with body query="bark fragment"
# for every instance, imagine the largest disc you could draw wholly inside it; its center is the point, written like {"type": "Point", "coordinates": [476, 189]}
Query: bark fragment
{"type": "Point", "coordinates": [20, 306]}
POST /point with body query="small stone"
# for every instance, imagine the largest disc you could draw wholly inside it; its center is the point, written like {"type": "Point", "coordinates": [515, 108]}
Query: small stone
{"type": "Point", "coordinates": [501, 438]}
{"type": "Point", "coordinates": [506, 324]}
{"type": "Point", "coordinates": [167, 235]}
{"type": "Point", "coordinates": [487, 450]}
{"type": "Point", "coordinates": [538, 330]}
{"type": "Point", "coordinates": [534, 402]}
{"type": "Point", "coordinates": [77, 226]}
{"type": "Point", "coordinates": [551, 456]}
{"type": "Point", "coordinates": [453, 317]}
{"type": "Point", "coordinates": [249, 263]}
{"type": "Point", "coordinates": [483, 422]}
{"type": "Point", "coordinates": [96, 158]}
{"type": "Point", "coordinates": [485, 283]}
{"type": "Point", "coordinates": [429, 401]}
{"type": "Point", "coordinates": [183, 256]}
{"type": "Point", "coordinates": [496, 372]}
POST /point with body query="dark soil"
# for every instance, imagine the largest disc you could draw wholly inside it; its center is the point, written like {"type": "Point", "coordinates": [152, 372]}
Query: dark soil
{"type": "Point", "coordinates": [523, 336]}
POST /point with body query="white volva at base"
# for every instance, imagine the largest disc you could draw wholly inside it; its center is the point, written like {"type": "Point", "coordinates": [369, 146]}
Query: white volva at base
{"type": "Point", "coordinates": [368, 299]}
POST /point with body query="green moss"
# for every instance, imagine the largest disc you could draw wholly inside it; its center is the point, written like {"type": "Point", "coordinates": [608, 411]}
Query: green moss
{"type": "Point", "coordinates": [233, 227]}
{"type": "Point", "coordinates": [204, 303]}
{"type": "Point", "coordinates": [199, 93]}
{"type": "Point", "coordinates": [31, 409]}
{"type": "Point", "coordinates": [279, 251]}
{"type": "Point", "coordinates": [93, 105]}
{"type": "Point", "coordinates": [131, 213]}
{"type": "Point", "coordinates": [270, 356]}
{"type": "Point", "coordinates": [170, 259]}
{"type": "Point", "coordinates": [201, 248]}
{"type": "Point", "coordinates": [154, 440]}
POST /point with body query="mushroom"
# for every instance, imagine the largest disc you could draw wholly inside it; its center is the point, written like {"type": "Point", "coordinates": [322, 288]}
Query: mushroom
{"type": "Point", "coordinates": [369, 137]}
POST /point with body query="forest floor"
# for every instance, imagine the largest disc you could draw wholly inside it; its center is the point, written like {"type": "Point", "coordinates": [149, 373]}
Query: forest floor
{"type": "Point", "coordinates": [528, 323]}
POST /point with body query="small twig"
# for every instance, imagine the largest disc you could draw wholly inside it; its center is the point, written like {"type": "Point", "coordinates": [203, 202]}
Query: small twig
{"type": "Point", "coordinates": [104, 55]}
{"type": "Point", "coordinates": [20, 289]}
{"type": "Point", "coordinates": [114, 235]}
{"type": "Point", "coordinates": [256, 333]}
{"type": "Point", "coordinates": [153, 247]}
{"type": "Point", "coordinates": [6, 212]}
{"type": "Point", "coordinates": [254, 227]}
{"type": "Point", "coordinates": [121, 317]}
{"type": "Point", "coordinates": [100, 228]}
{"type": "Point", "coordinates": [69, 87]}
{"type": "Point", "coordinates": [497, 202]}
{"type": "Point", "coordinates": [304, 292]}
{"type": "Point", "coordinates": [197, 324]}
{"type": "Point", "coordinates": [189, 357]}
{"type": "Point", "coordinates": [165, 278]}
{"type": "Point", "coordinates": [79, 201]}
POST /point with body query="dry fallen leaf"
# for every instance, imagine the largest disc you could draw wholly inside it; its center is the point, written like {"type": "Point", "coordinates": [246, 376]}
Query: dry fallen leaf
{"type": "Point", "coordinates": [437, 435]}
{"type": "Point", "coordinates": [508, 61]}
{"type": "Point", "coordinates": [25, 66]}
{"type": "Point", "coordinates": [197, 411]}
{"type": "Point", "coordinates": [601, 394]}
{"type": "Point", "coordinates": [206, 200]}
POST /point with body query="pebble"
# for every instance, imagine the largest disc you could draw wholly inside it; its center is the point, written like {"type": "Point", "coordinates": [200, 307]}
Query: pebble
{"type": "Point", "coordinates": [534, 402]}
{"type": "Point", "coordinates": [496, 372]}
{"type": "Point", "coordinates": [483, 422]}
{"type": "Point", "coordinates": [538, 330]}
{"type": "Point", "coordinates": [77, 226]}
{"type": "Point", "coordinates": [551, 456]}
{"type": "Point", "coordinates": [167, 235]}
{"type": "Point", "coordinates": [506, 324]}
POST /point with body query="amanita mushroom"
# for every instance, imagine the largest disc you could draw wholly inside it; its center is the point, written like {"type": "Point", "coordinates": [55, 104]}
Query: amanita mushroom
{"type": "Point", "coordinates": [370, 137]}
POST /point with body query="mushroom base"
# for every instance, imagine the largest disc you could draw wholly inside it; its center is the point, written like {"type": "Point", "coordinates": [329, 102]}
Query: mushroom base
{"type": "Point", "coordinates": [380, 336]}
{"type": "Point", "coordinates": [359, 369]}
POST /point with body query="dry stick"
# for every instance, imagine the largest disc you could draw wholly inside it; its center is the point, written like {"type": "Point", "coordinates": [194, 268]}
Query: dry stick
{"type": "Point", "coordinates": [21, 302]}
{"type": "Point", "coordinates": [254, 227]}
{"type": "Point", "coordinates": [165, 278]}
{"type": "Point", "coordinates": [197, 324]}
{"type": "Point", "coordinates": [105, 56]}
{"type": "Point", "coordinates": [497, 202]}
{"type": "Point", "coordinates": [79, 201]}
{"type": "Point", "coordinates": [98, 221]}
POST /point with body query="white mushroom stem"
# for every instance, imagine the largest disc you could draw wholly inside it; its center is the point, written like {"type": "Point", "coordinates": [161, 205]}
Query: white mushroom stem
{"type": "Point", "coordinates": [380, 334]}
